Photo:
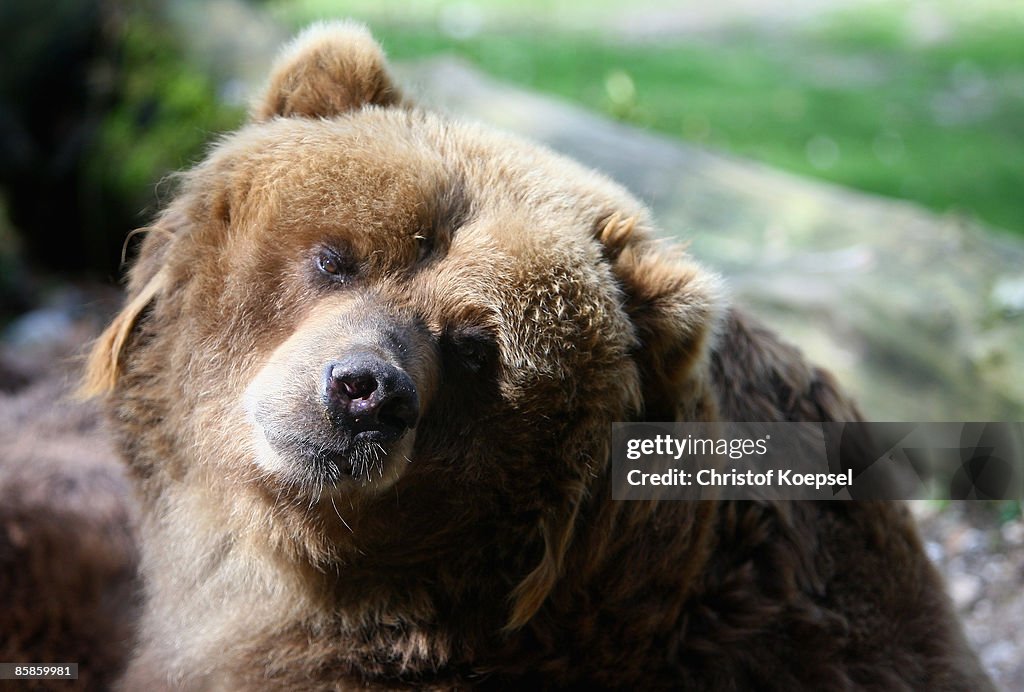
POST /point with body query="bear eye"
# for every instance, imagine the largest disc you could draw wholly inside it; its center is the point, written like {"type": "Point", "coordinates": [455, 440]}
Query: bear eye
{"type": "Point", "coordinates": [473, 347]}
{"type": "Point", "coordinates": [424, 247]}
{"type": "Point", "coordinates": [330, 263]}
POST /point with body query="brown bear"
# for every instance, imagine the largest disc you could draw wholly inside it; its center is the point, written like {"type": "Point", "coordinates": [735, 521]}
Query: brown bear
{"type": "Point", "coordinates": [364, 385]}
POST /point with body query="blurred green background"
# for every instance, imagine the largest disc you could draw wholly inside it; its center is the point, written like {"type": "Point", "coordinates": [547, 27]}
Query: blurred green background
{"type": "Point", "coordinates": [919, 100]}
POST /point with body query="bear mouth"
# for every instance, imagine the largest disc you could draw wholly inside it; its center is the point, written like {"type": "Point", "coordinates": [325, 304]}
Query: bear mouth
{"type": "Point", "coordinates": [359, 457]}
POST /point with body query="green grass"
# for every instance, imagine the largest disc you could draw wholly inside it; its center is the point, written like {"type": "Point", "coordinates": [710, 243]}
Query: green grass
{"type": "Point", "coordinates": [861, 100]}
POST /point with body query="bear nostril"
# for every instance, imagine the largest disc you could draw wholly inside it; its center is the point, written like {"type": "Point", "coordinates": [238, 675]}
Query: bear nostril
{"type": "Point", "coordinates": [358, 386]}
{"type": "Point", "coordinates": [401, 411]}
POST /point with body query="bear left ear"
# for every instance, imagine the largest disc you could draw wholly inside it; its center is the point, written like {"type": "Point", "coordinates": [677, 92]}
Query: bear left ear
{"type": "Point", "coordinates": [328, 69]}
{"type": "Point", "coordinates": [675, 306]}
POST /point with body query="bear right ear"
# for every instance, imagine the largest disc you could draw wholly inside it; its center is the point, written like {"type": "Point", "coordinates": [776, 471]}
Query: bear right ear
{"type": "Point", "coordinates": [675, 306]}
{"type": "Point", "coordinates": [328, 69]}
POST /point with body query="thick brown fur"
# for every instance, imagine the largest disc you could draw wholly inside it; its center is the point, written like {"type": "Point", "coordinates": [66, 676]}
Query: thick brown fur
{"type": "Point", "coordinates": [528, 300]}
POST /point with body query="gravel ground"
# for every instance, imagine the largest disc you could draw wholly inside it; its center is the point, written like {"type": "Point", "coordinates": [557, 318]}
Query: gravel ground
{"type": "Point", "coordinates": [982, 560]}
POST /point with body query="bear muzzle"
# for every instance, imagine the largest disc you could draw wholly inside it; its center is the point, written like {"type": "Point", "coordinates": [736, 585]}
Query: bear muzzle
{"type": "Point", "coordinates": [341, 398]}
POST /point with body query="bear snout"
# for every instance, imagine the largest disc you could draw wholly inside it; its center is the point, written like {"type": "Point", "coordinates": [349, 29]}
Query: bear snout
{"type": "Point", "coordinates": [325, 408]}
{"type": "Point", "coordinates": [366, 396]}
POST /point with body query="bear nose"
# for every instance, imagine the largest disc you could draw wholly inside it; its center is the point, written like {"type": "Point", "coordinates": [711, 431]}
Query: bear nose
{"type": "Point", "coordinates": [364, 393]}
